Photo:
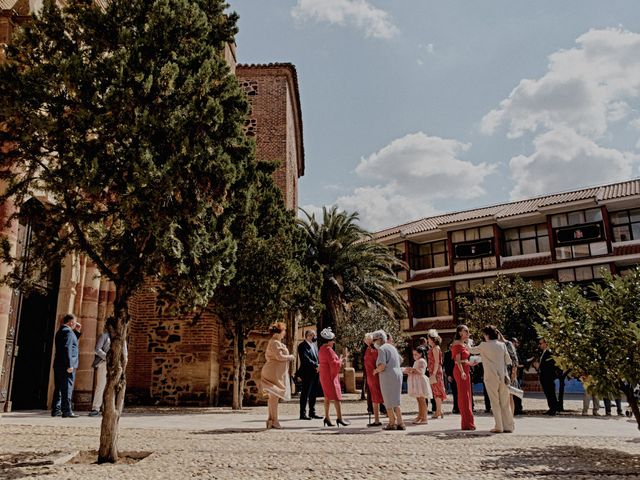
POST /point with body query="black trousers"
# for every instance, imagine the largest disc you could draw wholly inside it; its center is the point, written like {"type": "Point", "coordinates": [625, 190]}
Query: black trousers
{"type": "Point", "coordinates": [62, 391]}
{"type": "Point", "coordinates": [454, 392]}
{"type": "Point", "coordinates": [549, 389]}
{"type": "Point", "coordinates": [308, 394]}
{"type": "Point", "coordinates": [487, 400]}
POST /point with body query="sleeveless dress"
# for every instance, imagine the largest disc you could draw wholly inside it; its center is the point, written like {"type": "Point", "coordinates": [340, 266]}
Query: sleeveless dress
{"type": "Point", "coordinates": [467, 422]}
{"type": "Point", "coordinates": [435, 375]}
{"type": "Point", "coordinates": [373, 382]}
{"type": "Point", "coordinates": [418, 383]}
{"type": "Point", "coordinates": [330, 373]}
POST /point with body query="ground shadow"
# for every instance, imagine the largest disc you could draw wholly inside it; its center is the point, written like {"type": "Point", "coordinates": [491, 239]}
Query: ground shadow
{"type": "Point", "coordinates": [25, 464]}
{"type": "Point", "coordinates": [563, 461]}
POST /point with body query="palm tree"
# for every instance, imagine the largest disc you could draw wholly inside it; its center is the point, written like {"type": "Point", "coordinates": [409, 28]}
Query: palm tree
{"type": "Point", "coordinates": [355, 270]}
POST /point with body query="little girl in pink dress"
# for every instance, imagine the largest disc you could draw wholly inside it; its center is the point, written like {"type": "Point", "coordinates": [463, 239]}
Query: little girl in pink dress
{"type": "Point", "coordinates": [418, 385]}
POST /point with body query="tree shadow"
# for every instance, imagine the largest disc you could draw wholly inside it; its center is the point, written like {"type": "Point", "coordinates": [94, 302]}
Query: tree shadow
{"type": "Point", "coordinates": [222, 431]}
{"type": "Point", "coordinates": [564, 461]}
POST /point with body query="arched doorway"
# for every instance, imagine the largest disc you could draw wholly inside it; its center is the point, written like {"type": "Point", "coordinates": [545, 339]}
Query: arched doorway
{"type": "Point", "coordinates": [32, 322]}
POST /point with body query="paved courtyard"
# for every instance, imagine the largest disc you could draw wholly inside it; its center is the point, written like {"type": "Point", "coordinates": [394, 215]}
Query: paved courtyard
{"type": "Point", "coordinates": [216, 443]}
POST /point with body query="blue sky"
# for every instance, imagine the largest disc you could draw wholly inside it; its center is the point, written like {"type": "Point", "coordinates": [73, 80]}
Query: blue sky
{"type": "Point", "coordinates": [416, 107]}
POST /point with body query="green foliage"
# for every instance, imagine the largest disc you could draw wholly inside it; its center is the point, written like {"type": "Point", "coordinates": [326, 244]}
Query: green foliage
{"type": "Point", "coordinates": [360, 320]}
{"type": "Point", "coordinates": [354, 269]}
{"type": "Point", "coordinates": [512, 304]}
{"type": "Point", "coordinates": [128, 117]}
{"type": "Point", "coordinates": [597, 339]}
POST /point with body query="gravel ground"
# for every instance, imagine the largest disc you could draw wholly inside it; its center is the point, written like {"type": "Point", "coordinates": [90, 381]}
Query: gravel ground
{"type": "Point", "coordinates": [28, 450]}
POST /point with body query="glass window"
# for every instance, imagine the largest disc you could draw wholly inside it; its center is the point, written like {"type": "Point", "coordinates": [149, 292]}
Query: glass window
{"type": "Point", "coordinates": [583, 274]}
{"type": "Point", "coordinates": [511, 234]}
{"type": "Point", "coordinates": [543, 244]}
{"type": "Point", "coordinates": [563, 253]}
{"type": "Point", "coordinates": [529, 246]}
{"type": "Point", "coordinates": [566, 275]}
{"type": "Point", "coordinates": [580, 251]}
{"type": "Point", "coordinates": [458, 236]}
{"type": "Point", "coordinates": [486, 232]}
{"type": "Point", "coordinates": [635, 215]}
{"type": "Point", "coordinates": [488, 263]}
{"type": "Point", "coordinates": [593, 215]}
{"type": "Point", "coordinates": [559, 220]}
{"type": "Point", "coordinates": [599, 248]}
{"type": "Point", "coordinates": [528, 231]}
{"type": "Point", "coordinates": [512, 248]}
{"type": "Point", "coordinates": [619, 217]}
{"type": "Point", "coordinates": [472, 234]}
{"type": "Point", "coordinates": [622, 234]}
{"type": "Point", "coordinates": [440, 260]}
{"type": "Point", "coordinates": [474, 264]}
{"type": "Point", "coordinates": [575, 218]}
{"type": "Point", "coordinates": [635, 231]}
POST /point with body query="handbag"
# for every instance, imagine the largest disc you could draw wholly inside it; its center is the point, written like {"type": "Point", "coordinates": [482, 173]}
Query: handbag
{"type": "Point", "coordinates": [515, 391]}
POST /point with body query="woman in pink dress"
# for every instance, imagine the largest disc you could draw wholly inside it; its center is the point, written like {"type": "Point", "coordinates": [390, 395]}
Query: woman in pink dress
{"type": "Point", "coordinates": [418, 385]}
{"type": "Point", "coordinates": [436, 377]}
{"type": "Point", "coordinates": [460, 354]}
{"type": "Point", "coordinates": [330, 365]}
{"type": "Point", "coordinates": [373, 382]}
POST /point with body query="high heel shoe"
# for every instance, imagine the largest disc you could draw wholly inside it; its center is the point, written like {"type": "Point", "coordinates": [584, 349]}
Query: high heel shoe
{"type": "Point", "coordinates": [438, 415]}
{"type": "Point", "coordinates": [269, 424]}
{"type": "Point", "coordinates": [327, 422]}
{"type": "Point", "coordinates": [342, 422]}
{"type": "Point", "coordinates": [277, 426]}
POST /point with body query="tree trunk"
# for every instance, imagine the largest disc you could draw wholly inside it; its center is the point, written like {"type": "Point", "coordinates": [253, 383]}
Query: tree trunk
{"type": "Point", "coordinates": [333, 314]}
{"type": "Point", "coordinates": [633, 402]}
{"type": "Point", "coordinates": [113, 400]}
{"type": "Point", "coordinates": [239, 368]}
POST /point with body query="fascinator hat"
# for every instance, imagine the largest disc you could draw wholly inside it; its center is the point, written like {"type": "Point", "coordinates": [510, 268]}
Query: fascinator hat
{"type": "Point", "coordinates": [327, 334]}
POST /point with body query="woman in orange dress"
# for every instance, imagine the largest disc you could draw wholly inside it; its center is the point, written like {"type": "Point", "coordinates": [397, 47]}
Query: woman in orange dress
{"type": "Point", "coordinates": [436, 377]}
{"type": "Point", "coordinates": [330, 365]}
{"type": "Point", "coordinates": [461, 373]}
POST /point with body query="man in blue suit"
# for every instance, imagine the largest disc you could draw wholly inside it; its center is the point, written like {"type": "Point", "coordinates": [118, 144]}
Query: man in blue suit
{"type": "Point", "coordinates": [308, 373]}
{"type": "Point", "coordinates": [65, 364]}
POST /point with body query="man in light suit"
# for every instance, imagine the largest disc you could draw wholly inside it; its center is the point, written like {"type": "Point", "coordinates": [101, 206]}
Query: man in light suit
{"type": "Point", "coordinates": [65, 364]}
{"type": "Point", "coordinates": [547, 371]}
{"type": "Point", "coordinates": [308, 373]}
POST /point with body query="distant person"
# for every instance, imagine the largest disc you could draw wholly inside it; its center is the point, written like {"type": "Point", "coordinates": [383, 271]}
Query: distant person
{"type": "Point", "coordinates": [418, 385]}
{"type": "Point", "coordinates": [65, 364]}
{"type": "Point", "coordinates": [448, 366]}
{"type": "Point", "coordinates": [547, 372]}
{"type": "Point", "coordinates": [274, 377]}
{"type": "Point", "coordinates": [495, 359]}
{"type": "Point", "coordinates": [390, 373]}
{"type": "Point", "coordinates": [103, 345]}
{"type": "Point", "coordinates": [517, 401]}
{"type": "Point", "coordinates": [372, 381]}
{"type": "Point", "coordinates": [462, 375]}
{"type": "Point", "coordinates": [330, 365]}
{"type": "Point", "coordinates": [308, 373]}
{"type": "Point", "coordinates": [607, 406]}
{"type": "Point", "coordinates": [436, 374]}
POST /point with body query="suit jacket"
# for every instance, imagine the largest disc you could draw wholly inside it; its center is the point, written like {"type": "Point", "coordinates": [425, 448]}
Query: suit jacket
{"type": "Point", "coordinates": [547, 369]}
{"type": "Point", "coordinates": [308, 361]}
{"type": "Point", "coordinates": [448, 364]}
{"type": "Point", "coordinates": [67, 352]}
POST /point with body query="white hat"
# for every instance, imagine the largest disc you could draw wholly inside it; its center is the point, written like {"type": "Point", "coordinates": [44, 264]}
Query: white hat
{"type": "Point", "coordinates": [327, 334]}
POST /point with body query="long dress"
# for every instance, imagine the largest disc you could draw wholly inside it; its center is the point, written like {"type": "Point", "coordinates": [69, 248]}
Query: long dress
{"type": "Point", "coordinates": [373, 382]}
{"type": "Point", "coordinates": [418, 383]}
{"type": "Point", "coordinates": [274, 377]}
{"type": "Point", "coordinates": [436, 378]}
{"type": "Point", "coordinates": [391, 377]}
{"type": "Point", "coordinates": [330, 373]}
{"type": "Point", "coordinates": [464, 386]}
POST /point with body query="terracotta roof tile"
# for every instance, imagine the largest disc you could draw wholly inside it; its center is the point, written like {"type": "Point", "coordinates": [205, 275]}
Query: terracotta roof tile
{"type": "Point", "coordinates": [626, 249]}
{"type": "Point", "coordinates": [525, 262]}
{"type": "Point", "coordinates": [430, 274]}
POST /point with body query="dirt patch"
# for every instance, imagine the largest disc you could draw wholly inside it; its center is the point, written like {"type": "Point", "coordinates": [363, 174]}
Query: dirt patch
{"type": "Point", "coordinates": [89, 457]}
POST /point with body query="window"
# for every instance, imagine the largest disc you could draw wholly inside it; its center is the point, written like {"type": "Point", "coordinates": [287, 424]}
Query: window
{"type": "Point", "coordinates": [526, 240]}
{"type": "Point", "coordinates": [473, 250]}
{"type": "Point", "coordinates": [579, 234]}
{"type": "Point", "coordinates": [626, 225]}
{"type": "Point", "coordinates": [431, 303]}
{"type": "Point", "coordinates": [429, 255]}
{"type": "Point", "coordinates": [581, 274]}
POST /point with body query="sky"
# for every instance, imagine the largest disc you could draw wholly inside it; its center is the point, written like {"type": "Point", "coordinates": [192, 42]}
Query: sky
{"type": "Point", "coordinates": [413, 108]}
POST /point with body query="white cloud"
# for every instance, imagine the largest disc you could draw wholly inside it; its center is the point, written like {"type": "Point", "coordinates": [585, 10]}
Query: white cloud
{"type": "Point", "coordinates": [564, 159]}
{"type": "Point", "coordinates": [408, 175]}
{"type": "Point", "coordinates": [373, 21]}
{"type": "Point", "coordinates": [585, 88]}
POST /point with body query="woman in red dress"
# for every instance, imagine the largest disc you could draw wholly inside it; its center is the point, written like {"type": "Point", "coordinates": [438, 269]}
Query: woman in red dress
{"type": "Point", "coordinates": [330, 365]}
{"type": "Point", "coordinates": [436, 378]}
{"type": "Point", "coordinates": [461, 373]}
{"type": "Point", "coordinates": [373, 382]}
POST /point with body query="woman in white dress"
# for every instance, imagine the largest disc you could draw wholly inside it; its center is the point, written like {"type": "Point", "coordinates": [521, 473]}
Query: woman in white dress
{"type": "Point", "coordinates": [418, 385]}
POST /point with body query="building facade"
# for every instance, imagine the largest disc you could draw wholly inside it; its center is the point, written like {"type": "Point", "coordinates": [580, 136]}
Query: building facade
{"type": "Point", "coordinates": [171, 361]}
{"type": "Point", "coordinates": [566, 237]}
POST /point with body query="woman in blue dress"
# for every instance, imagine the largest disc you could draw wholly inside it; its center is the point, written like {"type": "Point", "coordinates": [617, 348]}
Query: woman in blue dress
{"type": "Point", "coordinates": [390, 374]}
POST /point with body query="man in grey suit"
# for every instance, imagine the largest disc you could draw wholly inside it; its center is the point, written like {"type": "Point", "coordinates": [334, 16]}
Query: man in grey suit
{"type": "Point", "coordinates": [65, 365]}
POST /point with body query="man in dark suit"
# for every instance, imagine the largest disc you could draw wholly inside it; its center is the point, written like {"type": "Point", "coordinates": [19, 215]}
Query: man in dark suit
{"type": "Point", "coordinates": [308, 374]}
{"type": "Point", "coordinates": [448, 364]}
{"type": "Point", "coordinates": [547, 371]}
{"type": "Point", "coordinates": [65, 364]}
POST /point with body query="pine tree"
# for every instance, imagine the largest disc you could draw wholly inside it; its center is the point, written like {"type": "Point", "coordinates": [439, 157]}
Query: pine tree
{"type": "Point", "coordinates": [130, 120]}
